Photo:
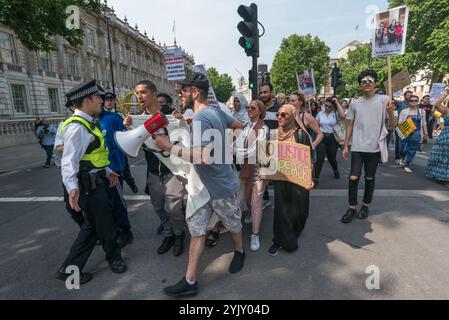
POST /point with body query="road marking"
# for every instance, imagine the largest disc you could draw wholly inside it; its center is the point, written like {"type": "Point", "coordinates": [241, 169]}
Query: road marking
{"type": "Point", "coordinates": [8, 173]}
{"type": "Point", "coordinates": [320, 193]}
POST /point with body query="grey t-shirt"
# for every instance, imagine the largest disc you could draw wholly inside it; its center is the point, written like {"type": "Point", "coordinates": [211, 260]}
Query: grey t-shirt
{"type": "Point", "coordinates": [367, 115]}
{"type": "Point", "coordinates": [219, 178]}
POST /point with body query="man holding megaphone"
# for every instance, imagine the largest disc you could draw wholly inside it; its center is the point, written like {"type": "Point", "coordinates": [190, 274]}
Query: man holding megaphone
{"type": "Point", "coordinates": [165, 189]}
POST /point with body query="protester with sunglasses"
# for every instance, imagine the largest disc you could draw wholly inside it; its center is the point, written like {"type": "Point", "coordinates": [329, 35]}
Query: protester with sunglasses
{"type": "Point", "coordinates": [409, 146]}
{"type": "Point", "coordinates": [366, 117]}
{"type": "Point", "coordinates": [246, 150]}
{"type": "Point", "coordinates": [291, 208]}
{"type": "Point", "coordinates": [327, 120]}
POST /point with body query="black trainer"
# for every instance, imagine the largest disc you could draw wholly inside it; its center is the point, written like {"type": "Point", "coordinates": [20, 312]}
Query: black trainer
{"type": "Point", "coordinates": [237, 262]}
{"type": "Point", "coordinates": [134, 188]}
{"type": "Point", "coordinates": [349, 216]}
{"type": "Point", "coordinates": [274, 250]}
{"type": "Point", "coordinates": [125, 238]}
{"type": "Point", "coordinates": [118, 266]}
{"type": "Point", "coordinates": [62, 275]}
{"type": "Point", "coordinates": [182, 289]}
{"type": "Point", "coordinates": [336, 174]}
{"type": "Point", "coordinates": [178, 246]}
{"type": "Point", "coordinates": [363, 213]}
{"type": "Point", "coordinates": [166, 245]}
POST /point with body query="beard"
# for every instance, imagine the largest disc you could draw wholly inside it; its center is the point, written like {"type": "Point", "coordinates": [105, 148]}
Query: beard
{"type": "Point", "coordinates": [188, 102]}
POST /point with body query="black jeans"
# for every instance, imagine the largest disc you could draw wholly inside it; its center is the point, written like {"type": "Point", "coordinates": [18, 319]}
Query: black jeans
{"type": "Point", "coordinates": [370, 162]}
{"type": "Point", "coordinates": [327, 148]}
{"type": "Point", "coordinates": [78, 217]}
{"type": "Point", "coordinates": [120, 208]}
{"type": "Point", "coordinates": [49, 151]}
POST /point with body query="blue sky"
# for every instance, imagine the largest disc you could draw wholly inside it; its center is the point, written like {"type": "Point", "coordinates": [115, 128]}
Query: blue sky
{"type": "Point", "coordinates": [208, 28]}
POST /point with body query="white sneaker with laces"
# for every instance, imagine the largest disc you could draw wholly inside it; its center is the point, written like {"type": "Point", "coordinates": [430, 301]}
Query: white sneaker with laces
{"type": "Point", "coordinates": [255, 242]}
{"type": "Point", "coordinates": [402, 163]}
{"type": "Point", "coordinates": [408, 170]}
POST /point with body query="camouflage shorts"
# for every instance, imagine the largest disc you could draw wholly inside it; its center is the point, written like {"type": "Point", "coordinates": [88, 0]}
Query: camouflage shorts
{"type": "Point", "coordinates": [227, 210]}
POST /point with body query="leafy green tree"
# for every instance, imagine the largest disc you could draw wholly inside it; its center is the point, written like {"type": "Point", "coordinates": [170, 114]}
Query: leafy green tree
{"type": "Point", "coordinates": [427, 36]}
{"type": "Point", "coordinates": [222, 84]}
{"type": "Point", "coordinates": [36, 21]}
{"type": "Point", "coordinates": [297, 53]}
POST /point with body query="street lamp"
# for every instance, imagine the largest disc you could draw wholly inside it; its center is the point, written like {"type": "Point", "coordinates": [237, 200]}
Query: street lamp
{"type": "Point", "coordinates": [109, 15]}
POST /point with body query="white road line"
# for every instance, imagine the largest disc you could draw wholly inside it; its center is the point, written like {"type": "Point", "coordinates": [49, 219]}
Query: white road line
{"type": "Point", "coordinates": [320, 193]}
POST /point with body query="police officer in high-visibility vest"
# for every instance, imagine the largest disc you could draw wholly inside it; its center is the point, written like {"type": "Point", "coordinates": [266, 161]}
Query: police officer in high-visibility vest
{"type": "Point", "coordinates": [85, 174]}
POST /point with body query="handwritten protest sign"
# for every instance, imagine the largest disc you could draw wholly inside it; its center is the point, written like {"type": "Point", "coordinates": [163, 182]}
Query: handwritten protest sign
{"type": "Point", "coordinates": [399, 81]}
{"type": "Point", "coordinates": [406, 129]}
{"type": "Point", "coordinates": [286, 161]}
{"type": "Point", "coordinates": [438, 91]}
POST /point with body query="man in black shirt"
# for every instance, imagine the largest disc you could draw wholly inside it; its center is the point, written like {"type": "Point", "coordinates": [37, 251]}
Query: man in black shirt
{"type": "Point", "coordinates": [266, 96]}
{"type": "Point", "coordinates": [427, 107]}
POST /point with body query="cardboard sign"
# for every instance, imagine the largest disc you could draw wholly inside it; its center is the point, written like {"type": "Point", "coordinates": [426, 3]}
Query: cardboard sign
{"type": "Point", "coordinates": [399, 81]}
{"type": "Point", "coordinates": [286, 161]}
{"type": "Point", "coordinates": [438, 91]}
{"type": "Point", "coordinates": [406, 129]}
{"type": "Point", "coordinates": [390, 32]}
{"type": "Point", "coordinates": [306, 82]}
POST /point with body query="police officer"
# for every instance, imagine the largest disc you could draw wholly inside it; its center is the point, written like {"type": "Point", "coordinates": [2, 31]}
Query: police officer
{"type": "Point", "coordinates": [110, 123]}
{"type": "Point", "coordinates": [86, 176]}
{"type": "Point", "coordinates": [109, 105]}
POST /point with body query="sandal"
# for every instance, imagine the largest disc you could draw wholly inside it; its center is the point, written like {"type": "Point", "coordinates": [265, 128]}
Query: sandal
{"type": "Point", "coordinates": [212, 242]}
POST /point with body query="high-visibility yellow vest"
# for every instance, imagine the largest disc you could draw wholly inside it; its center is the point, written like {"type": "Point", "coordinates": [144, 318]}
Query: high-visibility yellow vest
{"type": "Point", "coordinates": [96, 156]}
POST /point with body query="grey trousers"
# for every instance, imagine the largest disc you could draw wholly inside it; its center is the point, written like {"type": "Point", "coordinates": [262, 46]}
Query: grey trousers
{"type": "Point", "coordinates": [167, 193]}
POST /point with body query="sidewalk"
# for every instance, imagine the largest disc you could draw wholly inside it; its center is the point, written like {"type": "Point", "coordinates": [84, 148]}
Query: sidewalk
{"type": "Point", "coordinates": [21, 157]}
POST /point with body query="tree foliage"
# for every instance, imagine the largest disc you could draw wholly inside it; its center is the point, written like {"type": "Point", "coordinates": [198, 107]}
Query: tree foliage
{"type": "Point", "coordinates": [222, 84]}
{"type": "Point", "coordinates": [297, 53]}
{"type": "Point", "coordinates": [36, 21]}
{"type": "Point", "coordinates": [427, 36]}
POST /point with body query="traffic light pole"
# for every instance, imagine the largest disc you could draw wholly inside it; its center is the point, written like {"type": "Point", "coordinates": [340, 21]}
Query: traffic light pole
{"type": "Point", "coordinates": [255, 89]}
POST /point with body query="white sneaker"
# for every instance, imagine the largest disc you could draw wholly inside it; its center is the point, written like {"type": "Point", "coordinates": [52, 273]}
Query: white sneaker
{"type": "Point", "coordinates": [402, 163]}
{"type": "Point", "coordinates": [248, 219]}
{"type": "Point", "coordinates": [265, 204]}
{"type": "Point", "coordinates": [408, 170]}
{"type": "Point", "coordinates": [255, 243]}
{"type": "Point", "coordinates": [397, 161]}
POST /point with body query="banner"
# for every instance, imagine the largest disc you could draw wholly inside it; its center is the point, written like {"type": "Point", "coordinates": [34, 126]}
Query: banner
{"type": "Point", "coordinates": [406, 129]}
{"type": "Point", "coordinates": [306, 82]}
{"type": "Point", "coordinates": [286, 161]}
{"type": "Point", "coordinates": [174, 62]}
{"type": "Point", "coordinates": [438, 91]}
{"type": "Point", "coordinates": [390, 32]}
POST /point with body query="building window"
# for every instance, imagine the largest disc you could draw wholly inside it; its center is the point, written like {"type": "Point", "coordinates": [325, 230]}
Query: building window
{"type": "Point", "coordinates": [122, 53]}
{"type": "Point", "coordinates": [106, 45]}
{"type": "Point", "coordinates": [93, 68]}
{"type": "Point", "coordinates": [108, 73]}
{"type": "Point", "coordinates": [19, 98]}
{"type": "Point", "coordinates": [7, 50]}
{"type": "Point", "coordinates": [53, 98]}
{"type": "Point", "coordinates": [71, 64]}
{"type": "Point", "coordinates": [133, 56]}
{"type": "Point", "coordinates": [90, 39]}
{"type": "Point", "coordinates": [45, 61]}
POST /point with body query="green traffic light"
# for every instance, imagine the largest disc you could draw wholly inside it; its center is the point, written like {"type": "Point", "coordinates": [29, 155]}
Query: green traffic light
{"type": "Point", "coordinates": [251, 85]}
{"type": "Point", "coordinates": [248, 44]}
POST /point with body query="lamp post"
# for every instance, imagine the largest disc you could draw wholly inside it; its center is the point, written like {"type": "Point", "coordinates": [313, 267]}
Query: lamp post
{"type": "Point", "coordinates": [108, 16]}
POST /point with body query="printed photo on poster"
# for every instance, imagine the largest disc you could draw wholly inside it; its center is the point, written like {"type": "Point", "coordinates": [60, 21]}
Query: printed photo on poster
{"type": "Point", "coordinates": [306, 82]}
{"type": "Point", "coordinates": [390, 32]}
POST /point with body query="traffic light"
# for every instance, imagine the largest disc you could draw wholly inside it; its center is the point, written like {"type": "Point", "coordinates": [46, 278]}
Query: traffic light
{"type": "Point", "coordinates": [336, 76]}
{"type": "Point", "coordinates": [250, 79]}
{"type": "Point", "coordinates": [249, 30]}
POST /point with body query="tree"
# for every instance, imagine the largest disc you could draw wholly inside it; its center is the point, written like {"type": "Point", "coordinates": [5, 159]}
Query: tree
{"type": "Point", "coordinates": [427, 36]}
{"type": "Point", "coordinates": [222, 84]}
{"type": "Point", "coordinates": [36, 21]}
{"type": "Point", "coordinates": [298, 53]}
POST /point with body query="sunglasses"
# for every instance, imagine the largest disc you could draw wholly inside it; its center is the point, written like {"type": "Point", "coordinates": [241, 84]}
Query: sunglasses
{"type": "Point", "coordinates": [329, 106]}
{"type": "Point", "coordinates": [414, 100]}
{"type": "Point", "coordinates": [252, 108]}
{"type": "Point", "coordinates": [281, 114]}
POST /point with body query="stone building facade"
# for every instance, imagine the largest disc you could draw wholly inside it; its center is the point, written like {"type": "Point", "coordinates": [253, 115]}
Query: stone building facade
{"type": "Point", "coordinates": [33, 84]}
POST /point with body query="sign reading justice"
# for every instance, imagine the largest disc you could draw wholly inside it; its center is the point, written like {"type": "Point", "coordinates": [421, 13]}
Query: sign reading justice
{"type": "Point", "coordinates": [286, 161]}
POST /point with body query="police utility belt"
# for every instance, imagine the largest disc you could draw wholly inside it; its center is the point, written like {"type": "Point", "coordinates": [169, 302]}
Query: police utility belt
{"type": "Point", "coordinates": [89, 181]}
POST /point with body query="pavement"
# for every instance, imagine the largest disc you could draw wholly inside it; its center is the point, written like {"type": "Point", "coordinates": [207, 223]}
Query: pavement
{"type": "Point", "coordinates": [406, 238]}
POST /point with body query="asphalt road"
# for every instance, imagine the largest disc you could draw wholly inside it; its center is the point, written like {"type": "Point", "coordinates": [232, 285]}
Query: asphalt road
{"type": "Point", "coordinates": [406, 237]}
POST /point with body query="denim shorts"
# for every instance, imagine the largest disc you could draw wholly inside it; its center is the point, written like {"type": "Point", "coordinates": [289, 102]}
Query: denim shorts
{"type": "Point", "coordinates": [227, 210]}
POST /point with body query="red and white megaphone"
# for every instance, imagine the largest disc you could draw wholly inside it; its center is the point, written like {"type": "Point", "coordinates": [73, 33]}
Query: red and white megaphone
{"type": "Point", "coordinates": [131, 141]}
